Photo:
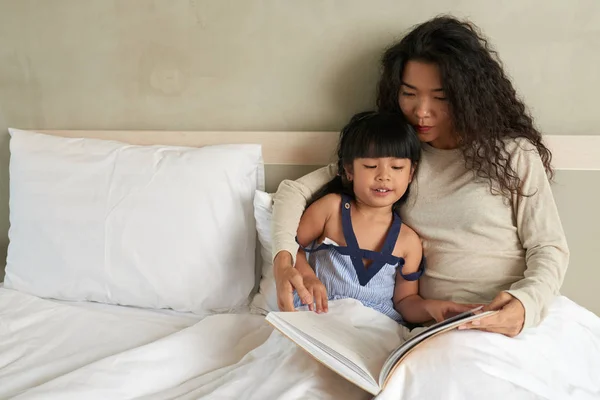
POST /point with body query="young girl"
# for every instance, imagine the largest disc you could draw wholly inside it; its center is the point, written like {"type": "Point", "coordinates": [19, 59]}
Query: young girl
{"type": "Point", "coordinates": [355, 239]}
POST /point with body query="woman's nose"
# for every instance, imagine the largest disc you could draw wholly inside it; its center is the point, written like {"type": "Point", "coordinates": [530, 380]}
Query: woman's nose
{"type": "Point", "coordinates": [422, 109]}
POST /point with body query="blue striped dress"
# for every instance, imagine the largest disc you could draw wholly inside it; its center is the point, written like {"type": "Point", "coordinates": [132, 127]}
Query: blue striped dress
{"type": "Point", "coordinates": [344, 275]}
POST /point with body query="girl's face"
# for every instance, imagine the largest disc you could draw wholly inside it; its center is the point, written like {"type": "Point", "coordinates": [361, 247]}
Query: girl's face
{"type": "Point", "coordinates": [380, 182]}
{"type": "Point", "coordinates": [423, 102]}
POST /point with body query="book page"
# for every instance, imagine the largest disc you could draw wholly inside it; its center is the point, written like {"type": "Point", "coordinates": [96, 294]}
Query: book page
{"type": "Point", "coordinates": [360, 341]}
{"type": "Point", "coordinates": [326, 356]}
{"type": "Point", "coordinates": [444, 326]}
{"type": "Point", "coordinates": [344, 340]}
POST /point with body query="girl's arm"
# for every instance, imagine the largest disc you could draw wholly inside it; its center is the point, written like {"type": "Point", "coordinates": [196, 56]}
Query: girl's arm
{"type": "Point", "coordinates": [407, 301]}
{"type": "Point", "coordinates": [312, 227]}
{"type": "Point", "coordinates": [406, 293]}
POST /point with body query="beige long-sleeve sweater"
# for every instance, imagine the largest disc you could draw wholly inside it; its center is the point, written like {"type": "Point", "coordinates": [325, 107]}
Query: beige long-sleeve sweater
{"type": "Point", "coordinates": [476, 244]}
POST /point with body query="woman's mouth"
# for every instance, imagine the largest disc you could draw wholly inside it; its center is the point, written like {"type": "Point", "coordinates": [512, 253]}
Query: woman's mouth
{"type": "Point", "coordinates": [423, 128]}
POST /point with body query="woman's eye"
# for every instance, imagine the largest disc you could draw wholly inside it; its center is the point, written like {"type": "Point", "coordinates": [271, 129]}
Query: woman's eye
{"type": "Point", "coordinates": [441, 98]}
{"type": "Point", "coordinates": [407, 94]}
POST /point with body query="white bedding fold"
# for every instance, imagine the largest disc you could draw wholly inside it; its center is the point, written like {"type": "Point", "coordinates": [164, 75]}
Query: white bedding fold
{"type": "Point", "coordinates": [558, 360]}
{"type": "Point", "coordinates": [241, 357]}
{"type": "Point", "coordinates": [41, 340]}
{"type": "Point", "coordinates": [221, 357]}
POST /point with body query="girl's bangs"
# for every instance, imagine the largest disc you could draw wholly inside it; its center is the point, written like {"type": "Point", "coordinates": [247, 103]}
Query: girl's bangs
{"type": "Point", "coordinates": [382, 142]}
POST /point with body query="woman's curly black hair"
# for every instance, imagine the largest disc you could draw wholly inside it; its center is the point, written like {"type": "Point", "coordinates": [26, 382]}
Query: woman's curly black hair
{"type": "Point", "coordinates": [484, 106]}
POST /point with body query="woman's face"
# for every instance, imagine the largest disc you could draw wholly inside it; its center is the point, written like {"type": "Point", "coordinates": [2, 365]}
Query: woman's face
{"type": "Point", "coordinates": [423, 102]}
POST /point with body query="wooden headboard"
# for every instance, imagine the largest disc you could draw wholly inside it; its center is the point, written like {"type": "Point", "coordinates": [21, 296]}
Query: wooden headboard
{"type": "Point", "coordinates": [570, 152]}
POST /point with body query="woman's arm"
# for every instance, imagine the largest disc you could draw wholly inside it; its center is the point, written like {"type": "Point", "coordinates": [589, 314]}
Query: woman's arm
{"type": "Point", "coordinates": [288, 206]}
{"type": "Point", "coordinates": [542, 236]}
{"type": "Point", "coordinates": [547, 254]}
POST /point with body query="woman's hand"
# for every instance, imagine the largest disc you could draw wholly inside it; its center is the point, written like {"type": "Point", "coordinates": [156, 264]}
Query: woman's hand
{"type": "Point", "coordinates": [316, 288]}
{"type": "Point", "coordinates": [288, 279]}
{"type": "Point", "coordinates": [440, 310]}
{"type": "Point", "coordinates": [508, 321]}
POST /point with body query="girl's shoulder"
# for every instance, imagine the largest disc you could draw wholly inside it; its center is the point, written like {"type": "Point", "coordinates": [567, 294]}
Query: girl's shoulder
{"type": "Point", "coordinates": [330, 202]}
{"type": "Point", "coordinates": [408, 243]}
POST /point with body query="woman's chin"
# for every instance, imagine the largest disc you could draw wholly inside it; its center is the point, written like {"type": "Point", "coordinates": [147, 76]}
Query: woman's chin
{"type": "Point", "coordinates": [426, 137]}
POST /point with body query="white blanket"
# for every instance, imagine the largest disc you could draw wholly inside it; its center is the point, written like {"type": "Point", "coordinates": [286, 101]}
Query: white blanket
{"type": "Point", "coordinates": [41, 340]}
{"type": "Point", "coordinates": [559, 360]}
{"type": "Point", "coordinates": [240, 357]}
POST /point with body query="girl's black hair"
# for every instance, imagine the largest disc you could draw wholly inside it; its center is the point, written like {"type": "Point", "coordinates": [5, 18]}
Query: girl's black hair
{"type": "Point", "coordinates": [372, 134]}
{"type": "Point", "coordinates": [484, 105]}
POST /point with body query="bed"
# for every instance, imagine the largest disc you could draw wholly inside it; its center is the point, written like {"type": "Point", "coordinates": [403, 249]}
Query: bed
{"type": "Point", "coordinates": [138, 269]}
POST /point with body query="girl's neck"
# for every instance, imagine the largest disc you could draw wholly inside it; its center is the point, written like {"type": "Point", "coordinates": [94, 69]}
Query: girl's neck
{"type": "Point", "coordinates": [373, 213]}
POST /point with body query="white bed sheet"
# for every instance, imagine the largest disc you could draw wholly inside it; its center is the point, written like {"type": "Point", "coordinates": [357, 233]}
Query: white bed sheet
{"type": "Point", "coordinates": [43, 339]}
{"type": "Point", "coordinates": [221, 357]}
{"type": "Point", "coordinates": [241, 357]}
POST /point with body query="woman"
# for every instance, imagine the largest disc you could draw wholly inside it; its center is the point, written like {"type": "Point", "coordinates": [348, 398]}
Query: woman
{"type": "Point", "coordinates": [481, 199]}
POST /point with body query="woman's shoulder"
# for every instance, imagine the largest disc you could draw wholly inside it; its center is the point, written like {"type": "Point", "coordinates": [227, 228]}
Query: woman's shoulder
{"type": "Point", "coordinates": [520, 146]}
{"type": "Point", "coordinates": [524, 154]}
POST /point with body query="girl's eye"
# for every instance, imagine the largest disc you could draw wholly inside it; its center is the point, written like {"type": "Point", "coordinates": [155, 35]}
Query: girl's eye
{"type": "Point", "coordinates": [398, 168]}
{"type": "Point", "coordinates": [370, 166]}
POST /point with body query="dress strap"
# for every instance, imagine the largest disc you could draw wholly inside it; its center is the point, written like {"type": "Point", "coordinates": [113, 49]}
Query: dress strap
{"type": "Point", "coordinates": [311, 248]}
{"type": "Point", "coordinates": [350, 237]}
{"type": "Point", "coordinates": [413, 276]}
{"type": "Point", "coordinates": [356, 254]}
{"type": "Point", "coordinates": [379, 259]}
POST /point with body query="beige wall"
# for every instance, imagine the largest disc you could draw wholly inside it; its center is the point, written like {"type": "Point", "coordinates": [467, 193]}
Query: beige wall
{"type": "Point", "coordinates": [283, 65]}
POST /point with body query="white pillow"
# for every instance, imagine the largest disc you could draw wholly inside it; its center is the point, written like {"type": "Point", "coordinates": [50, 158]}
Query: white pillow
{"type": "Point", "coordinates": [147, 226]}
{"type": "Point", "coordinates": [266, 298]}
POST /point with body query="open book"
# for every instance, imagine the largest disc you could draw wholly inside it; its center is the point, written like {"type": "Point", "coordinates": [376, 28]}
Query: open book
{"type": "Point", "coordinates": [364, 352]}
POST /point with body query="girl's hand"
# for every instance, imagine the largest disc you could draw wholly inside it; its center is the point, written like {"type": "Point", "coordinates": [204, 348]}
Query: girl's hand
{"type": "Point", "coordinates": [440, 310]}
{"type": "Point", "coordinates": [316, 288]}
{"type": "Point", "coordinates": [287, 278]}
{"type": "Point", "coordinates": [508, 321]}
